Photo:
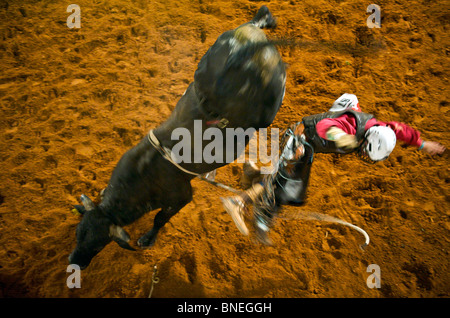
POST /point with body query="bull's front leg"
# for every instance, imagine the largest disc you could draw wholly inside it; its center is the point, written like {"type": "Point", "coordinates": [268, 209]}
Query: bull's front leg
{"type": "Point", "coordinates": [162, 217]}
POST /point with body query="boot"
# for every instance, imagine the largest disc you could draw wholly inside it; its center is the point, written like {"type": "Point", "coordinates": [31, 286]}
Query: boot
{"type": "Point", "coordinates": [236, 206]}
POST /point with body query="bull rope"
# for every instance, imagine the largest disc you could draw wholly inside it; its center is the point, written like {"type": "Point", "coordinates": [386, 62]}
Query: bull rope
{"type": "Point", "coordinates": [311, 216]}
{"type": "Point", "coordinates": [166, 154]}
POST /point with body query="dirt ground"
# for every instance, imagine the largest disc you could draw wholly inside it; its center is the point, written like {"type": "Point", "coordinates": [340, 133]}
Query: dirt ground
{"type": "Point", "coordinates": [72, 101]}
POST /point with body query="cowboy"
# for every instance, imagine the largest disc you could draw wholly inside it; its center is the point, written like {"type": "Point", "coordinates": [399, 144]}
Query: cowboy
{"type": "Point", "coordinates": [343, 129]}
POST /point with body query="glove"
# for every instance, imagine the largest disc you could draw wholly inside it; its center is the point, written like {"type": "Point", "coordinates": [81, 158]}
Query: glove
{"type": "Point", "coordinates": [342, 139]}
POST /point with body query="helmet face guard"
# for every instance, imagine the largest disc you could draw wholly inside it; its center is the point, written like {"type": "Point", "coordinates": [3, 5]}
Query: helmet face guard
{"type": "Point", "coordinates": [378, 144]}
{"type": "Point", "coordinates": [362, 153]}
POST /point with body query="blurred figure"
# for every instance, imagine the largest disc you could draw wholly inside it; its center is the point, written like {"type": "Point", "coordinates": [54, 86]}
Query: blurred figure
{"type": "Point", "coordinates": [343, 129]}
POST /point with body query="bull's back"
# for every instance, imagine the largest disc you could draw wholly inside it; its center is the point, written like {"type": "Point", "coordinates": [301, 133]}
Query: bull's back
{"type": "Point", "coordinates": [243, 77]}
{"type": "Point", "coordinates": [221, 55]}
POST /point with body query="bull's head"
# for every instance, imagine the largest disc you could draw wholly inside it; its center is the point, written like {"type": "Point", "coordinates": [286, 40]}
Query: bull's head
{"type": "Point", "coordinates": [94, 232]}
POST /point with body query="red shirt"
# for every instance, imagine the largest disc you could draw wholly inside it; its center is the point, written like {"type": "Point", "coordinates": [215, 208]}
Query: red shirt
{"type": "Point", "coordinates": [347, 123]}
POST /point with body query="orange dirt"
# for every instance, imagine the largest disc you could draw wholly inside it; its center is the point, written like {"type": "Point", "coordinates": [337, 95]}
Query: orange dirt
{"type": "Point", "coordinates": [72, 101]}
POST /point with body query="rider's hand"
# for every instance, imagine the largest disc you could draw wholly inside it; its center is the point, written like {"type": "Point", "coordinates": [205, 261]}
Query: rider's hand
{"type": "Point", "coordinates": [433, 148]}
{"type": "Point", "coordinates": [347, 141]}
{"type": "Point", "coordinates": [342, 139]}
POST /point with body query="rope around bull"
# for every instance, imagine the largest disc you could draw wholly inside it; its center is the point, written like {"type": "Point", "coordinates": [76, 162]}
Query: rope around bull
{"type": "Point", "coordinates": [166, 154]}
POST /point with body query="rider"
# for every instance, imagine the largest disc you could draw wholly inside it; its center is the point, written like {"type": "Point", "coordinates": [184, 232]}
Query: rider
{"type": "Point", "coordinates": [343, 129]}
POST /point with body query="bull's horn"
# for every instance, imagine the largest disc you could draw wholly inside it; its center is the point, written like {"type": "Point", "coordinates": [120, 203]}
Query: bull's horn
{"type": "Point", "coordinates": [87, 203]}
{"type": "Point", "coordinates": [78, 209]}
{"type": "Point", "coordinates": [120, 236]}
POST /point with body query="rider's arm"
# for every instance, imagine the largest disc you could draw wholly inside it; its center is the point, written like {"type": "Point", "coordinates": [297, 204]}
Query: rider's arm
{"type": "Point", "coordinates": [341, 130]}
{"type": "Point", "coordinates": [410, 136]}
{"type": "Point", "coordinates": [346, 123]}
{"type": "Point", "coordinates": [402, 131]}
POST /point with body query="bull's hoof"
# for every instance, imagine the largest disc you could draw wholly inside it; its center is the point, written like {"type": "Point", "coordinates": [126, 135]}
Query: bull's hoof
{"type": "Point", "coordinates": [146, 241]}
{"type": "Point", "coordinates": [264, 18]}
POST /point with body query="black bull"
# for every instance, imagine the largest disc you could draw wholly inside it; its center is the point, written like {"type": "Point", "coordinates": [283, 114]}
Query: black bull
{"type": "Point", "coordinates": [239, 82]}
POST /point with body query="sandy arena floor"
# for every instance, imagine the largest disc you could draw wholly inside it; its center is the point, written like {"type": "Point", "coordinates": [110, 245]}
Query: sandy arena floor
{"type": "Point", "coordinates": [72, 101]}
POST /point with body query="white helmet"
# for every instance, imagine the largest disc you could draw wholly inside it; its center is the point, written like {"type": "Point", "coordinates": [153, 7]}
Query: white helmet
{"type": "Point", "coordinates": [346, 101]}
{"type": "Point", "coordinates": [380, 141]}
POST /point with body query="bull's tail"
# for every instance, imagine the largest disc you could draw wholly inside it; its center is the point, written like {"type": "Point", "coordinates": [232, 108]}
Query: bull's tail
{"type": "Point", "coordinates": [264, 19]}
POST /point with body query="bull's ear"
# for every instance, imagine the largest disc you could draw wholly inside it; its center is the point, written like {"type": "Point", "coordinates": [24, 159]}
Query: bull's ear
{"type": "Point", "coordinates": [119, 236]}
{"type": "Point", "coordinates": [87, 203]}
